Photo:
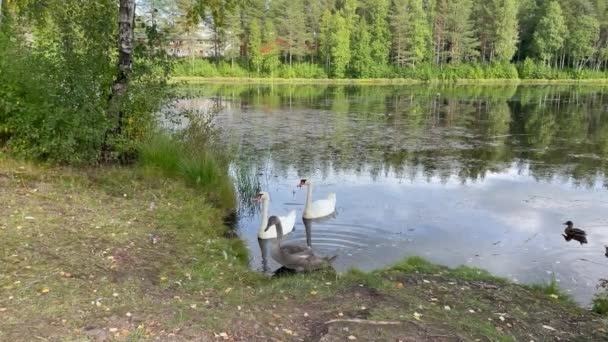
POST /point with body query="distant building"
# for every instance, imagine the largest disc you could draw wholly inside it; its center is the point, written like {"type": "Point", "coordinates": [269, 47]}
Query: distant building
{"type": "Point", "coordinates": [201, 43]}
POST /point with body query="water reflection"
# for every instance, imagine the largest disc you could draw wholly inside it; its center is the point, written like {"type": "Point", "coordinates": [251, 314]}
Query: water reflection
{"type": "Point", "coordinates": [461, 175]}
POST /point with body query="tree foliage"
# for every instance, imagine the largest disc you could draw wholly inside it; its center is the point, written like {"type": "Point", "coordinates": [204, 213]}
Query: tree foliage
{"type": "Point", "coordinates": [550, 32]}
{"type": "Point", "coordinates": [410, 33]}
{"type": "Point", "coordinates": [58, 62]}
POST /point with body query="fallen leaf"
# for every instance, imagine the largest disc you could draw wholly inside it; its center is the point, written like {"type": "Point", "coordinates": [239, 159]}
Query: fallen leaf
{"type": "Point", "coordinates": [129, 314]}
{"type": "Point", "coordinates": [193, 306]}
{"type": "Point", "coordinates": [554, 296]}
{"type": "Point", "coordinates": [471, 311]}
{"type": "Point", "coordinates": [313, 292]}
{"type": "Point", "coordinates": [288, 332]}
{"type": "Point", "coordinates": [340, 314]}
{"type": "Point", "coordinates": [112, 330]}
{"type": "Point", "coordinates": [425, 281]}
{"type": "Point", "coordinates": [399, 285]}
{"type": "Point", "coordinates": [501, 318]}
{"type": "Point", "coordinates": [417, 316]}
{"type": "Point", "coordinates": [45, 290]}
{"type": "Point", "coordinates": [549, 327]}
{"type": "Point", "coordinates": [228, 289]}
{"type": "Point", "coordinates": [447, 307]}
{"type": "Point", "coordinates": [352, 337]}
{"type": "Point", "coordinates": [306, 314]}
{"type": "Point", "coordinates": [2, 309]}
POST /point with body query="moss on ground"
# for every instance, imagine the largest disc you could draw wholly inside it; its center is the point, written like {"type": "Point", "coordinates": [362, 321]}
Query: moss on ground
{"type": "Point", "coordinates": [128, 254]}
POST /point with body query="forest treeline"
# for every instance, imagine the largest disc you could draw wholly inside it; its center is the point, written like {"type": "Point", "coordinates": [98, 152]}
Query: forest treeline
{"type": "Point", "coordinates": [397, 38]}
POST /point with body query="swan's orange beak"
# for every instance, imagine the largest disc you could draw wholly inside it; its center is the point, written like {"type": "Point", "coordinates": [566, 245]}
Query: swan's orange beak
{"type": "Point", "coordinates": [257, 198]}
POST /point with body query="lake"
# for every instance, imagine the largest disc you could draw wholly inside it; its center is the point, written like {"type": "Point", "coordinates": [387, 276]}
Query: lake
{"type": "Point", "coordinates": [482, 176]}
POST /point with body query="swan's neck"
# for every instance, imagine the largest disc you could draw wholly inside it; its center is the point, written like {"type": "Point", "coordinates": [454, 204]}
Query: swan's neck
{"type": "Point", "coordinates": [279, 228]}
{"type": "Point", "coordinates": [308, 197]}
{"type": "Point", "coordinates": [264, 215]}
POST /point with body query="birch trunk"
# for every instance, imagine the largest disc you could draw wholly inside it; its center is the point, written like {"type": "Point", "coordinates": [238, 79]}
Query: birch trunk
{"type": "Point", "coordinates": [125, 53]}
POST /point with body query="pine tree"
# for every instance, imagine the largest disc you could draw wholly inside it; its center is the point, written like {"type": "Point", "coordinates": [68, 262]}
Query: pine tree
{"type": "Point", "coordinates": [291, 24]}
{"type": "Point", "coordinates": [439, 24]}
{"type": "Point", "coordinates": [421, 33]}
{"type": "Point", "coordinates": [340, 48]}
{"type": "Point", "coordinates": [313, 13]}
{"type": "Point", "coordinates": [550, 32]}
{"type": "Point", "coordinates": [460, 33]}
{"type": "Point", "coordinates": [399, 20]}
{"type": "Point", "coordinates": [484, 17]}
{"type": "Point", "coordinates": [232, 36]}
{"type": "Point", "coordinates": [506, 34]}
{"type": "Point", "coordinates": [254, 45]}
{"type": "Point", "coordinates": [411, 34]}
{"type": "Point", "coordinates": [361, 60]}
{"type": "Point", "coordinates": [325, 38]}
{"type": "Point", "coordinates": [270, 51]}
{"type": "Point", "coordinates": [380, 33]}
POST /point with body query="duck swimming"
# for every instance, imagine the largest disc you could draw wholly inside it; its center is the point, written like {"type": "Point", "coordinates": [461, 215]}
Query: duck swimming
{"type": "Point", "coordinates": [295, 257]}
{"type": "Point", "coordinates": [571, 233]}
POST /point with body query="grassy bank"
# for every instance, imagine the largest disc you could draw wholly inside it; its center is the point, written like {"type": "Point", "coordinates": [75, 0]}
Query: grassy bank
{"type": "Point", "coordinates": [378, 81]}
{"type": "Point", "coordinates": [132, 254]}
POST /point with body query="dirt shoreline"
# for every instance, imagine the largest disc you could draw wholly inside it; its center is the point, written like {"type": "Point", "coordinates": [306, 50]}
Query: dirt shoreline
{"type": "Point", "coordinates": [122, 254]}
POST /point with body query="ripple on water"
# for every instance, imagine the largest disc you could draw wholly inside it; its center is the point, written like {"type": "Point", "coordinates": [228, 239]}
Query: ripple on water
{"type": "Point", "coordinates": [341, 237]}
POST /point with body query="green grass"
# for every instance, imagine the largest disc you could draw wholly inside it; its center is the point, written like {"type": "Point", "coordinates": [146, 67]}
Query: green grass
{"type": "Point", "coordinates": [200, 168]}
{"type": "Point", "coordinates": [416, 265]}
{"type": "Point", "coordinates": [377, 81]}
{"type": "Point", "coordinates": [600, 304]}
{"type": "Point", "coordinates": [474, 274]}
{"type": "Point", "coordinates": [552, 290]}
{"type": "Point", "coordinates": [95, 224]}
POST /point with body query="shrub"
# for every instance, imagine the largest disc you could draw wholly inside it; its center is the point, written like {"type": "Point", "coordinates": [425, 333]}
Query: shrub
{"type": "Point", "coordinates": [55, 102]}
{"type": "Point", "coordinates": [195, 67]}
{"type": "Point", "coordinates": [302, 70]}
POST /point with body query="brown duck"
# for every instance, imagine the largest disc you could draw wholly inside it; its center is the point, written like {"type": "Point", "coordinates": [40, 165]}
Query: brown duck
{"type": "Point", "coordinates": [571, 233]}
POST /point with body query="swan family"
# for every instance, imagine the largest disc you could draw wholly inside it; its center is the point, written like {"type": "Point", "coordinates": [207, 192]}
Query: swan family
{"type": "Point", "coordinates": [302, 258]}
{"type": "Point", "coordinates": [295, 257]}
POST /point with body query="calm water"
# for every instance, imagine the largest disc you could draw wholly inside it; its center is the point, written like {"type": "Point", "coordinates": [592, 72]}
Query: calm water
{"type": "Point", "coordinates": [481, 176]}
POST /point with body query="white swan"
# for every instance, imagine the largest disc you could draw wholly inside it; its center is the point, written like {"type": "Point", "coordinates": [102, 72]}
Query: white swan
{"type": "Point", "coordinates": [318, 208]}
{"type": "Point", "coordinates": [288, 221]}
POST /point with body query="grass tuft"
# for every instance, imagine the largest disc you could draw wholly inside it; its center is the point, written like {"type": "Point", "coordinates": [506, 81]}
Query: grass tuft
{"type": "Point", "coordinates": [552, 290]}
{"type": "Point", "coordinates": [600, 304]}
{"type": "Point", "coordinates": [416, 265]}
{"type": "Point", "coordinates": [198, 167]}
{"type": "Point", "coordinates": [475, 274]}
